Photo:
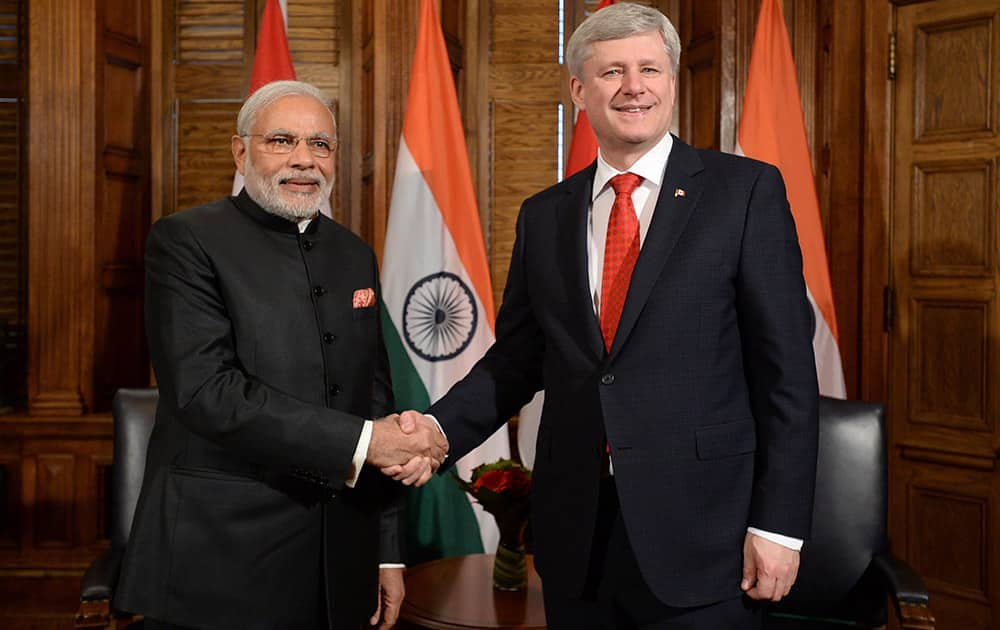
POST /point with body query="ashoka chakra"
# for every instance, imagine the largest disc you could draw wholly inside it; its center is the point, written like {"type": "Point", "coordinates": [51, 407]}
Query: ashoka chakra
{"type": "Point", "coordinates": [439, 317]}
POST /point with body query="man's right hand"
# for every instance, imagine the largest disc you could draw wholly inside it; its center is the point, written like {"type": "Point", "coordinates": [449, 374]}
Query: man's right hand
{"type": "Point", "coordinates": [421, 447]}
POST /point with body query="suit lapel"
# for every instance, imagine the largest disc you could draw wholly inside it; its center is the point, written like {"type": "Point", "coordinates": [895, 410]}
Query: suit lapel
{"type": "Point", "coordinates": [571, 221]}
{"type": "Point", "coordinates": [669, 220]}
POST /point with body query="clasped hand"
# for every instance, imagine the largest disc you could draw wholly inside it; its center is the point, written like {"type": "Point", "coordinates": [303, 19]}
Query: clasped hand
{"type": "Point", "coordinates": [408, 447]}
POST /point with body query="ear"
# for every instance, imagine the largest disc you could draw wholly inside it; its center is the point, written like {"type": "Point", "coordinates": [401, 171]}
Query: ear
{"type": "Point", "coordinates": [576, 93]}
{"type": "Point", "coordinates": [239, 153]}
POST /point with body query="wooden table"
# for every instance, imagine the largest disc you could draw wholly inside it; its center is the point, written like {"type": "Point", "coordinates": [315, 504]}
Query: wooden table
{"type": "Point", "coordinates": [457, 594]}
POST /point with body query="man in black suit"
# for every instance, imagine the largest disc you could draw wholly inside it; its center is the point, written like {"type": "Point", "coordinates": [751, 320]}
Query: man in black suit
{"type": "Point", "coordinates": [257, 509]}
{"type": "Point", "coordinates": [675, 460]}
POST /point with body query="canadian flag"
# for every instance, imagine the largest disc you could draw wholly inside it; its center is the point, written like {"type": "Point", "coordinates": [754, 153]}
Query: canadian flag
{"type": "Point", "coordinates": [271, 60]}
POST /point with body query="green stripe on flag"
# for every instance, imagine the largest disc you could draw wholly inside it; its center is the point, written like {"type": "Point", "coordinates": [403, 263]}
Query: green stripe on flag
{"type": "Point", "coordinates": [407, 387]}
{"type": "Point", "coordinates": [445, 524]}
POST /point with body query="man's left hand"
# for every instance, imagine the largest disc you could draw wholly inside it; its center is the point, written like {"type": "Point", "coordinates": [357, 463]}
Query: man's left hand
{"type": "Point", "coordinates": [390, 598]}
{"type": "Point", "coordinates": [769, 569]}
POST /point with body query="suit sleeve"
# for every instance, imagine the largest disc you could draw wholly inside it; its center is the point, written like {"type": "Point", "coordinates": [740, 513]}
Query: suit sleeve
{"type": "Point", "coordinates": [192, 345]}
{"type": "Point", "coordinates": [776, 328]}
{"type": "Point", "coordinates": [510, 372]}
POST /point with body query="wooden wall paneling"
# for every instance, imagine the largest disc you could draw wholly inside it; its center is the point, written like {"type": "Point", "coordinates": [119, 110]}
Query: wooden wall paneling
{"type": "Point", "coordinates": [56, 473]}
{"type": "Point", "coordinates": [53, 493]}
{"type": "Point", "coordinates": [875, 298]}
{"type": "Point", "coordinates": [944, 359]}
{"type": "Point", "coordinates": [476, 109]}
{"type": "Point", "coordinates": [948, 515]}
{"type": "Point", "coordinates": [211, 50]}
{"type": "Point", "coordinates": [61, 100]}
{"type": "Point", "coordinates": [384, 38]}
{"type": "Point", "coordinates": [361, 78]}
{"type": "Point", "coordinates": [526, 87]}
{"type": "Point", "coordinates": [395, 40]}
{"type": "Point", "coordinates": [838, 143]}
{"type": "Point", "coordinates": [123, 217]}
{"type": "Point", "coordinates": [163, 114]}
{"type": "Point", "coordinates": [699, 81]}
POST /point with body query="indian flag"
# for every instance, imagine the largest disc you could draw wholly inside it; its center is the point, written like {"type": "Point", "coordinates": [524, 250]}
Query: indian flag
{"type": "Point", "coordinates": [772, 129]}
{"type": "Point", "coordinates": [438, 305]}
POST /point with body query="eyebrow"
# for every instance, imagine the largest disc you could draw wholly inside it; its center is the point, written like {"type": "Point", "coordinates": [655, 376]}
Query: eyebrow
{"type": "Point", "coordinates": [286, 132]}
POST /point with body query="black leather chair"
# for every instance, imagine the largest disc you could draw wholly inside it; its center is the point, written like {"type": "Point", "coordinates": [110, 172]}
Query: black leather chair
{"type": "Point", "coordinates": [134, 411]}
{"type": "Point", "coordinates": [847, 573]}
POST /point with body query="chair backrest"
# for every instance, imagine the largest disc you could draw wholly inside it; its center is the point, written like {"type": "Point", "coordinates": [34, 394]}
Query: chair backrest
{"type": "Point", "coordinates": [134, 413]}
{"type": "Point", "coordinates": [849, 513]}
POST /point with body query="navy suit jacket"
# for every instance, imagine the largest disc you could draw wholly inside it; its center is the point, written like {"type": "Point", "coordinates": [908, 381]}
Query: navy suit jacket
{"type": "Point", "coordinates": [708, 396]}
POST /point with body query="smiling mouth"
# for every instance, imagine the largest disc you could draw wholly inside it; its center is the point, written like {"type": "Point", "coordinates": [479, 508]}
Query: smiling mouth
{"type": "Point", "coordinates": [298, 184]}
{"type": "Point", "coordinates": [634, 109]}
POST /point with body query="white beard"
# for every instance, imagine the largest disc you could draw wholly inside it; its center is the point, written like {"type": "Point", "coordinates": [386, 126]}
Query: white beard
{"type": "Point", "coordinates": [268, 194]}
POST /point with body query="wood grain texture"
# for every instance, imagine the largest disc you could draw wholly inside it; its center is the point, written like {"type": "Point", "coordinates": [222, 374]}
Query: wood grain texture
{"type": "Point", "coordinates": [61, 95]}
{"type": "Point", "coordinates": [526, 87]}
{"type": "Point", "coordinates": [942, 239]}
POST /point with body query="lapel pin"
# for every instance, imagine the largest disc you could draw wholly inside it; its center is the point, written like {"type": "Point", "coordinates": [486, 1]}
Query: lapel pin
{"type": "Point", "coordinates": [679, 192]}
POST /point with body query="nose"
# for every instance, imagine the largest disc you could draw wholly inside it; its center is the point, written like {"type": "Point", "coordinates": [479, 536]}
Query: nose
{"type": "Point", "coordinates": [632, 82]}
{"type": "Point", "coordinates": [301, 156]}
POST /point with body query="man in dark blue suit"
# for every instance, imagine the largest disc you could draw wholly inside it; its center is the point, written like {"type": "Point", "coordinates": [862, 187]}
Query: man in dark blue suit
{"type": "Point", "coordinates": [657, 296]}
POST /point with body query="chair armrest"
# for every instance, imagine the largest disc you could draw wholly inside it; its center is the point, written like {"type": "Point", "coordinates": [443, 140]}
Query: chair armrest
{"type": "Point", "coordinates": [101, 577]}
{"type": "Point", "coordinates": [907, 590]}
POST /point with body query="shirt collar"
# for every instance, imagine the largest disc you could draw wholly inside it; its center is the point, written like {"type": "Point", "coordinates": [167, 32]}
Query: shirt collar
{"type": "Point", "coordinates": [650, 166]}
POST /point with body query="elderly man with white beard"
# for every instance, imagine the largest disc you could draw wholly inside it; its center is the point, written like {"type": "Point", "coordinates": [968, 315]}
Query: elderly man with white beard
{"type": "Point", "coordinates": [262, 505]}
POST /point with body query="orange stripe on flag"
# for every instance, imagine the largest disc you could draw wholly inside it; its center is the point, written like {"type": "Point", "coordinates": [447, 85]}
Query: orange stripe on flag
{"type": "Point", "coordinates": [434, 135]}
{"type": "Point", "coordinates": [772, 129]}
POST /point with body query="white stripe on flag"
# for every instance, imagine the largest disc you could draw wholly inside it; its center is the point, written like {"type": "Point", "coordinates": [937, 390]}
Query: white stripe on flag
{"type": "Point", "coordinates": [418, 244]}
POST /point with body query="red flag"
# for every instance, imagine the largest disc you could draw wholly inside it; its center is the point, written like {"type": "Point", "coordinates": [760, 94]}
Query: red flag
{"type": "Point", "coordinates": [772, 129]}
{"type": "Point", "coordinates": [583, 145]}
{"type": "Point", "coordinates": [271, 61]}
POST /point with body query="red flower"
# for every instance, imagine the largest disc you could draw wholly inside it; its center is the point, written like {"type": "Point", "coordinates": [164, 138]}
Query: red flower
{"type": "Point", "coordinates": [512, 482]}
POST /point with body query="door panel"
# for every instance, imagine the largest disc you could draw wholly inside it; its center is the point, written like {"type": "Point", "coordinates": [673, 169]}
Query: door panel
{"type": "Point", "coordinates": [945, 340]}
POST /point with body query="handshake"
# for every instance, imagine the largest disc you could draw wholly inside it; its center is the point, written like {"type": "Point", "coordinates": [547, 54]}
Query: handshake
{"type": "Point", "coordinates": [408, 447]}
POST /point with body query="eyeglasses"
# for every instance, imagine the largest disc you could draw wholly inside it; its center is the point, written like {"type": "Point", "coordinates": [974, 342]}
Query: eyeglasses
{"type": "Point", "coordinates": [283, 143]}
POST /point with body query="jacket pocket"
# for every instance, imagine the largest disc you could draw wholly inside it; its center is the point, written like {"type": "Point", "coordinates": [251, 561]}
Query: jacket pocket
{"type": "Point", "coordinates": [726, 440]}
{"type": "Point", "coordinates": [214, 474]}
{"type": "Point", "coordinates": [366, 312]}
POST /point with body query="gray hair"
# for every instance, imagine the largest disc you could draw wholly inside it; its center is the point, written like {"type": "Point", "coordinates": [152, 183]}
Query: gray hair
{"type": "Point", "coordinates": [266, 95]}
{"type": "Point", "coordinates": [618, 21]}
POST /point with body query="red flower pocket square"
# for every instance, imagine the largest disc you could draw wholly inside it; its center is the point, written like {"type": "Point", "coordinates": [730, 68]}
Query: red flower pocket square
{"type": "Point", "coordinates": [363, 298]}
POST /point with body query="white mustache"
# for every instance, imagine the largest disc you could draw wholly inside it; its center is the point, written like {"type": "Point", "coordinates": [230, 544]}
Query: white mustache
{"type": "Point", "coordinates": [284, 176]}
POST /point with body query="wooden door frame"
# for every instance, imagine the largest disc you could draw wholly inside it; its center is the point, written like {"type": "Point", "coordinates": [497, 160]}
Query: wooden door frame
{"type": "Point", "coordinates": [876, 306]}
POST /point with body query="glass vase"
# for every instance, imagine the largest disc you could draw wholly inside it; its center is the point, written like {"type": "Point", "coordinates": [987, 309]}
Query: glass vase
{"type": "Point", "coordinates": [510, 567]}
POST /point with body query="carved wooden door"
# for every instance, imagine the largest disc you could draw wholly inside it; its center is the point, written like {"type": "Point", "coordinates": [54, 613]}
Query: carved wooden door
{"type": "Point", "coordinates": [944, 364]}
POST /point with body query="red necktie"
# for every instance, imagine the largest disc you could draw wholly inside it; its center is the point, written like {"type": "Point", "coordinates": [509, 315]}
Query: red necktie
{"type": "Point", "coordinates": [621, 249]}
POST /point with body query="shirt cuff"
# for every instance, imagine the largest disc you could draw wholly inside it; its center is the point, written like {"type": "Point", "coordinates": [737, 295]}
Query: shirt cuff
{"type": "Point", "coordinates": [438, 425]}
{"type": "Point", "coordinates": [784, 541]}
{"type": "Point", "coordinates": [391, 565]}
{"type": "Point", "coordinates": [440, 428]}
{"type": "Point", "coordinates": [360, 454]}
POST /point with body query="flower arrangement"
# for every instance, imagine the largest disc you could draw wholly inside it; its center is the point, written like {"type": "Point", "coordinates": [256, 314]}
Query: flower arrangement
{"type": "Point", "coordinates": [502, 488]}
